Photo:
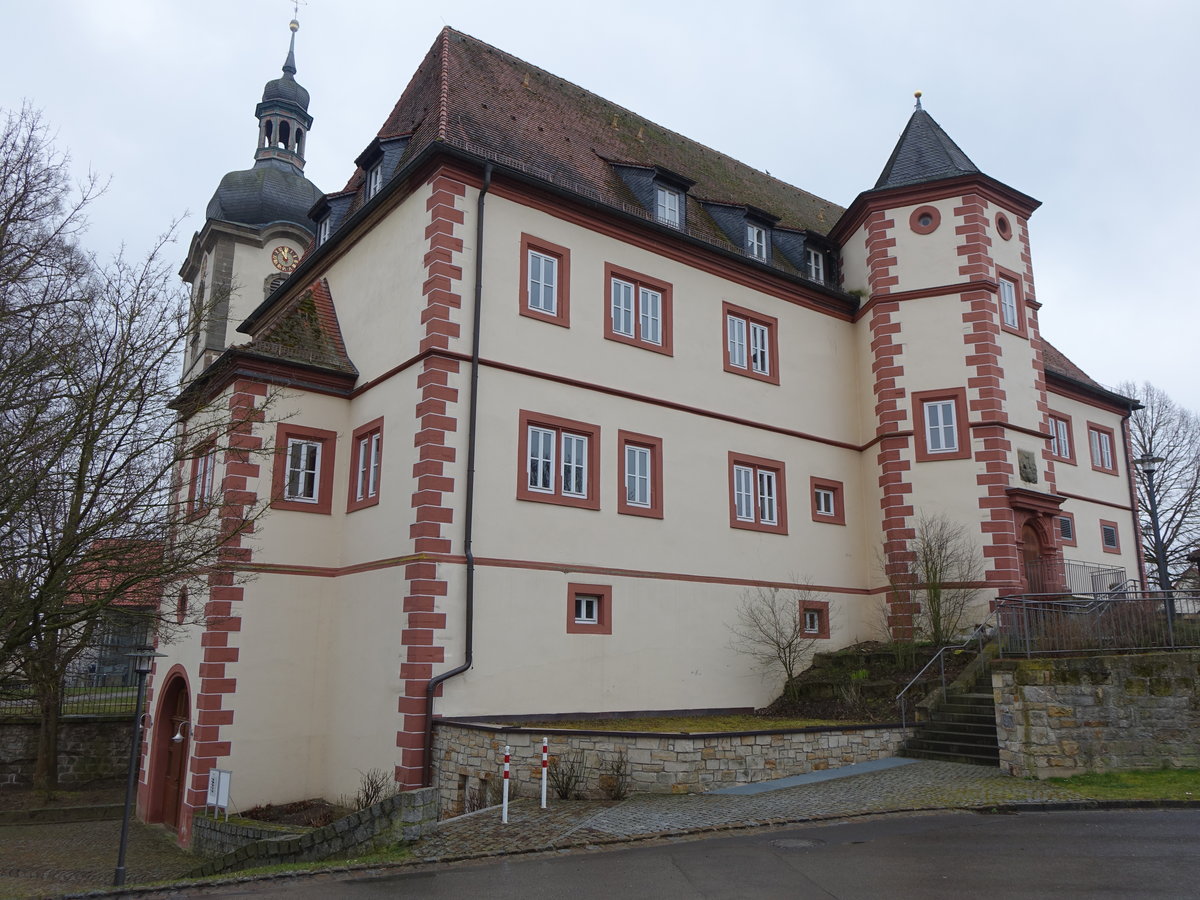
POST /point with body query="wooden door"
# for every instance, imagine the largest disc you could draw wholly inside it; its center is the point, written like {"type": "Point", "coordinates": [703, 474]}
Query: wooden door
{"type": "Point", "coordinates": [176, 763]}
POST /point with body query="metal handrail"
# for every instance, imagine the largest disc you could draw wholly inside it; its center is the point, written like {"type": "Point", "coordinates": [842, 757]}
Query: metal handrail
{"type": "Point", "coordinates": [979, 633]}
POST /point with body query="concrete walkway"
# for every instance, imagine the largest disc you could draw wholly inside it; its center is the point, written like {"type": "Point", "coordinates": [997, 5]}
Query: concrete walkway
{"type": "Point", "coordinates": [887, 786]}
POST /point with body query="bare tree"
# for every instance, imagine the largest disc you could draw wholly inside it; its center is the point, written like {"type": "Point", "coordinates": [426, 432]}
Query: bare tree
{"type": "Point", "coordinates": [1167, 430]}
{"type": "Point", "coordinates": [94, 455]}
{"type": "Point", "coordinates": [939, 571]}
{"type": "Point", "coordinates": [770, 628]}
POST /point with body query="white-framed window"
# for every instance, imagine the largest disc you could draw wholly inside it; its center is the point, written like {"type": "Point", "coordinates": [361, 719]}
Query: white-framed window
{"type": "Point", "coordinates": [750, 344]}
{"type": "Point", "coordinates": [587, 609]}
{"type": "Point", "coordinates": [1102, 449]}
{"type": "Point", "coordinates": [941, 428]}
{"type": "Point", "coordinates": [755, 497]}
{"type": "Point", "coordinates": [1008, 303]}
{"type": "Point", "coordinates": [374, 179]}
{"type": "Point", "coordinates": [636, 312]}
{"type": "Point", "coordinates": [367, 475]}
{"type": "Point", "coordinates": [756, 241]}
{"type": "Point", "coordinates": [667, 205]}
{"type": "Point", "coordinates": [543, 283]}
{"type": "Point", "coordinates": [815, 261]}
{"type": "Point", "coordinates": [544, 444]}
{"type": "Point", "coordinates": [303, 471]}
{"type": "Point", "coordinates": [825, 501]}
{"type": "Point", "coordinates": [1060, 438]}
{"type": "Point", "coordinates": [637, 476]}
{"type": "Point", "coordinates": [323, 229]}
{"type": "Point", "coordinates": [812, 621]}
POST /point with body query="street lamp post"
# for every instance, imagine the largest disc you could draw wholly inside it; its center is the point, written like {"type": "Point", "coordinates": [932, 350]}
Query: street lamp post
{"type": "Point", "coordinates": [143, 659]}
{"type": "Point", "coordinates": [1149, 465]}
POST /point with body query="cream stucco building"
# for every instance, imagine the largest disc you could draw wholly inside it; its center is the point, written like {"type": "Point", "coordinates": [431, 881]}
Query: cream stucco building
{"type": "Point", "coordinates": [554, 387]}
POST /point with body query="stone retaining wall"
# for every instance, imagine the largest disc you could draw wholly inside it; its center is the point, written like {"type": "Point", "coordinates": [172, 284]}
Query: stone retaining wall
{"type": "Point", "coordinates": [402, 818]}
{"type": "Point", "coordinates": [1070, 715]}
{"type": "Point", "coordinates": [89, 749]}
{"type": "Point", "coordinates": [468, 758]}
{"type": "Point", "coordinates": [219, 836]}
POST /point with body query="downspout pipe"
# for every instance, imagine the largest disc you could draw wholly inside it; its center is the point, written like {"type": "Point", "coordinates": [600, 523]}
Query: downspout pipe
{"type": "Point", "coordinates": [469, 490]}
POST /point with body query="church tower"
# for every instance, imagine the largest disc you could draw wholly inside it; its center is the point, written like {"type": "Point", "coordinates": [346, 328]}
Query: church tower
{"type": "Point", "coordinates": [257, 223]}
{"type": "Point", "coordinates": [954, 361]}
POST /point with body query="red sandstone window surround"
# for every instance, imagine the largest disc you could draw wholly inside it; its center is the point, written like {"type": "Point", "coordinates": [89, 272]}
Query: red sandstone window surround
{"type": "Point", "coordinates": [940, 423]}
{"type": "Point", "coordinates": [757, 494]}
{"type": "Point", "coordinates": [751, 343]}
{"type": "Point", "coordinates": [925, 219]}
{"type": "Point", "coordinates": [1062, 443]}
{"type": "Point", "coordinates": [558, 461]}
{"type": "Point", "coordinates": [1103, 445]}
{"type": "Point", "coordinates": [545, 289]}
{"type": "Point", "coordinates": [827, 501]}
{"type": "Point", "coordinates": [1066, 529]}
{"type": "Point", "coordinates": [1110, 537]}
{"type": "Point", "coordinates": [366, 465]}
{"type": "Point", "coordinates": [302, 475]}
{"type": "Point", "coordinates": [639, 310]}
{"type": "Point", "coordinates": [589, 608]}
{"type": "Point", "coordinates": [1010, 295]}
{"type": "Point", "coordinates": [639, 489]}
{"type": "Point", "coordinates": [202, 483]}
{"type": "Point", "coordinates": [814, 617]}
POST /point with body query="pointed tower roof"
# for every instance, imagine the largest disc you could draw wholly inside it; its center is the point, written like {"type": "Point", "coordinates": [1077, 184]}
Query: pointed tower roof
{"type": "Point", "coordinates": [924, 153]}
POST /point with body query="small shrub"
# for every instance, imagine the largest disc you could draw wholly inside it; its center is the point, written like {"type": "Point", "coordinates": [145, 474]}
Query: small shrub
{"type": "Point", "coordinates": [496, 790]}
{"type": "Point", "coordinates": [477, 797]}
{"type": "Point", "coordinates": [614, 777]}
{"type": "Point", "coordinates": [373, 785]}
{"type": "Point", "coordinates": [567, 775]}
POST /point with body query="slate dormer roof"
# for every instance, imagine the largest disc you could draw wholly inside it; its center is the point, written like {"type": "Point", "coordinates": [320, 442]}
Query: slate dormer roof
{"type": "Point", "coordinates": [477, 98]}
{"type": "Point", "coordinates": [924, 153]}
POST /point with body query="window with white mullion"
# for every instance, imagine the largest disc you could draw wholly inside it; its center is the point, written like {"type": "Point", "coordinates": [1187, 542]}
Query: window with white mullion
{"type": "Point", "coordinates": [543, 283]}
{"type": "Point", "coordinates": [574, 465]}
{"type": "Point", "coordinates": [736, 328]}
{"type": "Point", "coordinates": [1008, 303]}
{"type": "Point", "coordinates": [374, 180]}
{"type": "Point", "coordinates": [941, 434]}
{"type": "Point", "coordinates": [637, 476]}
{"type": "Point", "coordinates": [825, 502]}
{"type": "Point", "coordinates": [587, 609]}
{"type": "Point", "coordinates": [816, 265]}
{"type": "Point", "coordinates": [756, 241]}
{"type": "Point", "coordinates": [1060, 438]}
{"type": "Point", "coordinates": [1102, 454]}
{"type": "Point", "coordinates": [540, 464]}
{"type": "Point", "coordinates": [622, 307]}
{"type": "Point", "coordinates": [666, 206]}
{"type": "Point", "coordinates": [368, 467]}
{"type": "Point", "coordinates": [650, 315]}
{"type": "Point", "coordinates": [760, 348]}
{"type": "Point", "coordinates": [766, 497]}
{"type": "Point", "coordinates": [743, 493]}
{"type": "Point", "coordinates": [303, 468]}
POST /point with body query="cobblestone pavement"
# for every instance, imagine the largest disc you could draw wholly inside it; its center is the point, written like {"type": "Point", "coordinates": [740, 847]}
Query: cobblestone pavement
{"type": "Point", "coordinates": [922, 785]}
{"type": "Point", "coordinates": [51, 859]}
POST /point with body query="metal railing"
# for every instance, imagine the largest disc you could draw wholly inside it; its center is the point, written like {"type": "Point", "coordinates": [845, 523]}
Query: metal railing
{"type": "Point", "coordinates": [980, 636]}
{"type": "Point", "coordinates": [100, 682]}
{"type": "Point", "coordinates": [1048, 576]}
{"type": "Point", "coordinates": [1109, 622]}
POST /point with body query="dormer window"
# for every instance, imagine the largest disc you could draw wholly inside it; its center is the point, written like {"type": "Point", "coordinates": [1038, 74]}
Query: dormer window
{"type": "Point", "coordinates": [815, 265]}
{"type": "Point", "coordinates": [323, 230]}
{"type": "Point", "coordinates": [667, 203]}
{"type": "Point", "coordinates": [756, 241]}
{"type": "Point", "coordinates": [374, 179]}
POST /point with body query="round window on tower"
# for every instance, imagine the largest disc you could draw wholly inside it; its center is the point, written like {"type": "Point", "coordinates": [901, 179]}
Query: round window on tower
{"type": "Point", "coordinates": [925, 219]}
{"type": "Point", "coordinates": [1003, 226]}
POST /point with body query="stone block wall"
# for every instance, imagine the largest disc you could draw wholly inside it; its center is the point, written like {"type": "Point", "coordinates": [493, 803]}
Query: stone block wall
{"type": "Point", "coordinates": [89, 749]}
{"type": "Point", "coordinates": [468, 757]}
{"type": "Point", "coordinates": [1071, 715]}
{"type": "Point", "coordinates": [402, 818]}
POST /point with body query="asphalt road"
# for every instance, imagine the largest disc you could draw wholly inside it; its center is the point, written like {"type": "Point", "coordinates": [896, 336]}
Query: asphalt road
{"type": "Point", "coordinates": [951, 855]}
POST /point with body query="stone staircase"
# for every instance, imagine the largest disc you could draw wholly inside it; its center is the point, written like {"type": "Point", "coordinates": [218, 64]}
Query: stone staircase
{"type": "Point", "coordinates": [960, 729]}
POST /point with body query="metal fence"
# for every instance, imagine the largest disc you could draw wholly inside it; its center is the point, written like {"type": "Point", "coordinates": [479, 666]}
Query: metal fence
{"type": "Point", "coordinates": [1098, 622]}
{"type": "Point", "coordinates": [1048, 576]}
{"type": "Point", "coordinates": [99, 682]}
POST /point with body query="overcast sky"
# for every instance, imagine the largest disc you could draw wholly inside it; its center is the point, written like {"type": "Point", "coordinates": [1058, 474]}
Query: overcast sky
{"type": "Point", "coordinates": [1088, 105]}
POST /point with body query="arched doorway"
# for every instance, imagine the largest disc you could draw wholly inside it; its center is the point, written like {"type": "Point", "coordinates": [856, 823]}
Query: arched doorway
{"type": "Point", "coordinates": [168, 770]}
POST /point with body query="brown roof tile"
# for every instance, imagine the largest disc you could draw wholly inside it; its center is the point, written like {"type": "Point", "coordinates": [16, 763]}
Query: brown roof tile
{"type": "Point", "coordinates": [306, 331]}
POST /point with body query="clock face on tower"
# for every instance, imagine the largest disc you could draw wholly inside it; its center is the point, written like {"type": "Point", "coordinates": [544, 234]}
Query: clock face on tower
{"type": "Point", "coordinates": [285, 259]}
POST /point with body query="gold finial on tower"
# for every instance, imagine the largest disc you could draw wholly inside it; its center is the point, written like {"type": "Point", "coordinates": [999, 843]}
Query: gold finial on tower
{"type": "Point", "coordinates": [917, 94]}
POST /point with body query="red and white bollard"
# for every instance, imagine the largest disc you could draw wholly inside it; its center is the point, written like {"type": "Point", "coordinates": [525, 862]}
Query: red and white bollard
{"type": "Point", "coordinates": [545, 766]}
{"type": "Point", "coordinates": [504, 808]}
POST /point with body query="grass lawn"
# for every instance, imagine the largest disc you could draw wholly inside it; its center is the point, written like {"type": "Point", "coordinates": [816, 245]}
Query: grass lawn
{"type": "Point", "coordinates": [1155, 784]}
{"type": "Point", "coordinates": [685, 724]}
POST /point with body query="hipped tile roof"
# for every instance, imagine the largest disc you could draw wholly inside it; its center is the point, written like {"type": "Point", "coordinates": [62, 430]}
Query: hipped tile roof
{"type": "Point", "coordinates": [306, 331]}
{"type": "Point", "coordinates": [477, 98]}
